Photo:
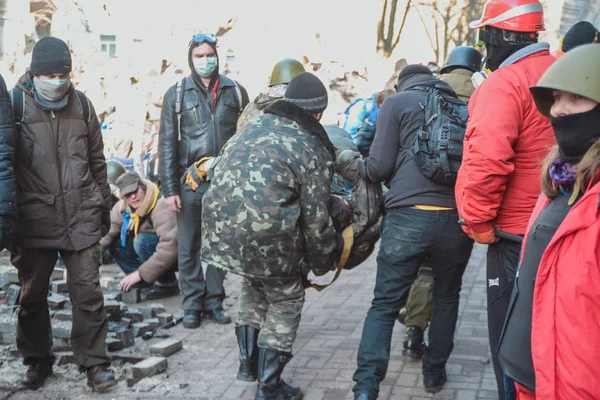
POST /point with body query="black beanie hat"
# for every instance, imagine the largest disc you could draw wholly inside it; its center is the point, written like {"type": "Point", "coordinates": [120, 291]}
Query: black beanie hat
{"type": "Point", "coordinates": [308, 92]}
{"type": "Point", "coordinates": [414, 69]}
{"type": "Point", "coordinates": [50, 56]}
{"type": "Point", "coordinates": [581, 33]}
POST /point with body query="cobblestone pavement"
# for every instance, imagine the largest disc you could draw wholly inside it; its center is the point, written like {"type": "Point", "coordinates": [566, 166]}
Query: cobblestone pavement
{"type": "Point", "coordinates": [325, 351]}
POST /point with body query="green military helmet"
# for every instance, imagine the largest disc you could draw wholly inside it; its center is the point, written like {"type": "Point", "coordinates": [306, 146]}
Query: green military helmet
{"type": "Point", "coordinates": [114, 169]}
{"type": "Point", "coordinates": [285, 70]}
{"type": "Point", "coordinates": [576, 72]}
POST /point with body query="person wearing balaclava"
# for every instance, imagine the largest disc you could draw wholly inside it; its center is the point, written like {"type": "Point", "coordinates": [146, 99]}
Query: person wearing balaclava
{"type": "Point", "coordinates": [63, 201]}
{"type": "Point", "coordinates": [551, 340]}
{"type": "Point", "coordinates": [199, 114]}
{"type": "Point", "coordinates": [506, 137]}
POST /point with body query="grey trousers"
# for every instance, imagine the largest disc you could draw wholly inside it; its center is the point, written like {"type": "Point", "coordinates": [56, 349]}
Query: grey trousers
{"type": "Point", "coordinates": [199, 294]}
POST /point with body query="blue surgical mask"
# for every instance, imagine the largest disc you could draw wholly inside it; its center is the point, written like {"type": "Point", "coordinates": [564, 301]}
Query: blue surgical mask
{"type": "Point", "coordinates": [205, 66]}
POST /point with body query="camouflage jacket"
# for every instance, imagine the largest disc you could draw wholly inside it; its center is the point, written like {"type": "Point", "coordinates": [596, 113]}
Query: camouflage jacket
{"type": "Point", "coordinates": [266, 210]}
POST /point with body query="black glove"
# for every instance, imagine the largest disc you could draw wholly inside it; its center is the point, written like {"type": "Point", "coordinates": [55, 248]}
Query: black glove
{"type": "Point", "coordinates": [105, 222]}
{"type": "Point", "coordinates": [9, 238]}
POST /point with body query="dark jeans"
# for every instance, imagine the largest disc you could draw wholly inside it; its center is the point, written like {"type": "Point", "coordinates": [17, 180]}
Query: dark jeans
{"type": "Point", "coordinates": [198, 294]}
{"type": "Point", "coordinates": [502, 260]}
{"type": "Point", "coordinates": [410, 237]}
{"type": "Point", "coordinates": [90, 324]}
{"type": "Point", "coordinates": [137, 252]}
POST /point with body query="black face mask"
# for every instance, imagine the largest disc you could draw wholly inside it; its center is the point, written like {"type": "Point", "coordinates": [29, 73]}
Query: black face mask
{"type": "Point", "coordinates": [576, 133]}
{"type": "Point", "coordinates": [501, 44]}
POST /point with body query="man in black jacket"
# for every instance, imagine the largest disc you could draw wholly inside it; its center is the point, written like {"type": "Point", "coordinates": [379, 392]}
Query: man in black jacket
{"type": "Point", "coordinates": [7, 172]}
{"type": "Point", "coordinates": [198, 116]}
{"type": "Point", "coordinates": [421, 225]}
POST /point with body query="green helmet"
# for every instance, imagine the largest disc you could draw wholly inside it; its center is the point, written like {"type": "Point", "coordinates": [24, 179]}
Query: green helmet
{"type": "Point", "coordinates": [114, 169]}
{"type": "Point", "coordinates": [576, 72]}
{"type": "Point", "coordinates": [285, 70]}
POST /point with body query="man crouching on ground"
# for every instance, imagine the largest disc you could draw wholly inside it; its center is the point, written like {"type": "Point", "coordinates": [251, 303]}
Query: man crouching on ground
{"type": "Point", "coordinates": [265, 212]}
{"type": "Point", "coordinates": [143, 238]}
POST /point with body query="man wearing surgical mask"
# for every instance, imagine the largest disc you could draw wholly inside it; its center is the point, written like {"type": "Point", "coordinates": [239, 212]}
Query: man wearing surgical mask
{"type": "Point", "coordinates": [63, 202]}
{"type": "Point", "coordinates": [199, 114]}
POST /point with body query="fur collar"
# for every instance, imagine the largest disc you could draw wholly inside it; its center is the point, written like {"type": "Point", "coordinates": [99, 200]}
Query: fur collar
{"type": "Point", "coordinates": [305, 120]}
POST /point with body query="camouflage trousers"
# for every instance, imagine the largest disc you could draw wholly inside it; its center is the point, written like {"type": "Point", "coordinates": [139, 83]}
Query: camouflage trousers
{"type": "Point", "coordinates": [419, 305]}
{"type": "Point", "coordinates": [274, 306]}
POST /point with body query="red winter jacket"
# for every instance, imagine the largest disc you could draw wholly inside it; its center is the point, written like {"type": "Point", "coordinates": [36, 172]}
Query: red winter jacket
{"type": "Point", "coordinates": [565, 334]}
{"type": "Point", "coordinates": [505, 142]}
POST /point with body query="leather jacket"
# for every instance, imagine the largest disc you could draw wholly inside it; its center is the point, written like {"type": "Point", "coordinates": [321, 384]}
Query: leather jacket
{"type": "Point", "coordinates": [203, 132]}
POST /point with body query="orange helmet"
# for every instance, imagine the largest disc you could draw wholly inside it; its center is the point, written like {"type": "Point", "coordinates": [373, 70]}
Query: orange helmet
{"type": "Point", "coordinates": [512, 15]}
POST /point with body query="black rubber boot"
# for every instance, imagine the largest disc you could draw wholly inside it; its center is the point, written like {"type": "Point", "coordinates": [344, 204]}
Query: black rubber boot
{"type": "Point", "coordinates": [247, 337]}
{"type": "Point", "coordinates": [270, 386]}
{"type": "Point", "coordinates": [414, 345]}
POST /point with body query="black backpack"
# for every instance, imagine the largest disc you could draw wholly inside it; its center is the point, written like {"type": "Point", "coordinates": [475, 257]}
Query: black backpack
{"type": "Point", "coordinates": [438, 147]}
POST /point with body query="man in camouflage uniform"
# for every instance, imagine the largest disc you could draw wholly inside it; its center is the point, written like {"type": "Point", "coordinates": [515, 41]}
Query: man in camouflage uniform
{"type": "Point", "coordinates": [282, 74]}
{"type": "Point", "coordinates": [267, 211]}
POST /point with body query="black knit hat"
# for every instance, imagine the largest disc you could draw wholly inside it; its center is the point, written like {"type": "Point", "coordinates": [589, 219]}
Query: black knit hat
{"type": "Point", "coordinates": [50, 56]}
{"type": "Point", "coordinates": [581, 33]}
{"type": "Point", "coordinates": [414, 69]}
{"type": "Point", "coordinates": [308, 92]}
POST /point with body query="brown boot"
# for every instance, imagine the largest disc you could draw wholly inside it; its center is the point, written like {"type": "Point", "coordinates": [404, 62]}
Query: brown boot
{"type": "Point", "coordinates": [100, 378]}
{"type": "Point", "coordinates": [36, 375]}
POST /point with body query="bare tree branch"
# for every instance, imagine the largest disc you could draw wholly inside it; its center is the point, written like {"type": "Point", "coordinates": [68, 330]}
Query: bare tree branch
{"type": "Point", "coordinates": [406, 10]}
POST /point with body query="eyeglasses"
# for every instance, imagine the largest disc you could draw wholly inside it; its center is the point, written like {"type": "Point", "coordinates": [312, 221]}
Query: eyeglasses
{"type": "Point", "coordinates": [209, 38]}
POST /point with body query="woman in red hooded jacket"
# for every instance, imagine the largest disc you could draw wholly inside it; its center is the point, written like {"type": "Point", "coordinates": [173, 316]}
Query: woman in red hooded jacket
{"type": "Point", "coordinates": [550, 345]}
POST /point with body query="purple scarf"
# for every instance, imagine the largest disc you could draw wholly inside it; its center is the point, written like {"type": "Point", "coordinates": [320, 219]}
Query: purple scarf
{"type": "Point", "coordinates": [562, 173]}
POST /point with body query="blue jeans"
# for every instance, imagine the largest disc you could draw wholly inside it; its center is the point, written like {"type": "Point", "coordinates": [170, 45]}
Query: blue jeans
{"type": "Point", "coordinates": [510, 391]}
{"type": "Point", "coordinates": [409, 238]}
{"type": "Point", "coordinates": [137, 252]}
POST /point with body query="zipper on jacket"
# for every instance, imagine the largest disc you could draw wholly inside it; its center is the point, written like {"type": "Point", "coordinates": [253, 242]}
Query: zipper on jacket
{"type": "Point", "coordinates": [60, 171]}
{"type": "Point", "coordinates": [214, 123]}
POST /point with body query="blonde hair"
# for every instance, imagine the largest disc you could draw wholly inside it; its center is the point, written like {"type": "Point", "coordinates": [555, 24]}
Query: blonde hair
{"type": "Point", "coordinates": [585, 176]}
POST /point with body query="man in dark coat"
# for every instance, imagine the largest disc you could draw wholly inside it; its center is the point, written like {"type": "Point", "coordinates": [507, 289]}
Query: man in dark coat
{"type": "Point", "coordinates": [7, 171]}
{"type": "Point", "coordinates": [64, 207]}
{"type": "Point", "coordinates": [421, 225]}
{"type": "Point", "coordinates": [198, 116]}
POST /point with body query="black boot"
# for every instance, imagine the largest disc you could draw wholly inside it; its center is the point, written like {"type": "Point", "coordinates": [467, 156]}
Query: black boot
{"type": "Point", "coordinates": [192, 319]}
{"type": "Point", "coordinates": [434, 381]}
{"type": "Point", "coordinates": [100, 378]}
{"type": "Point", "coordinates": [247, 337]}
{"type": "Point", "coordinates": [413, 343]}
{"type": "Point", "coordinates": [270, 385]}
{"type": "Point", "coordinates": [36, 375]}
{"type": "Point", "coordinates": [158, 292]}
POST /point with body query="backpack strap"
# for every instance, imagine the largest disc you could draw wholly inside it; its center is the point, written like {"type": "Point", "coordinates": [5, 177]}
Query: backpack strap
{"type": "Point", "coordinates": [178, 102]}
{"type": "Point", "coordinates": [238, 93]}
{"type": "Point", "coordinates": [17, 100]}
{"type": "Point", "coordinates": [85, 106]}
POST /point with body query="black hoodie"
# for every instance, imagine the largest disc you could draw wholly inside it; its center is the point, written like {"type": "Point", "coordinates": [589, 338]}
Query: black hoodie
{"type": "Point", "coordinates": [390, 159]}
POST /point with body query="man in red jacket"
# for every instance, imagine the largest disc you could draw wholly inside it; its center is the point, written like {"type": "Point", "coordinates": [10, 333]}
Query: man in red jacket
{"type": "Point", "coordinates": [506, 140]}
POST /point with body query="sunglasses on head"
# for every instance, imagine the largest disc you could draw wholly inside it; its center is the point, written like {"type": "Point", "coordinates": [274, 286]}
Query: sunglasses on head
{"type": "Point", "coordinates": [209, 38]}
